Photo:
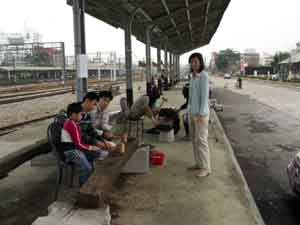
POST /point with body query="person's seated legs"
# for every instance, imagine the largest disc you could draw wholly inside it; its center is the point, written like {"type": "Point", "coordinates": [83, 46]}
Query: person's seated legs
{"type": "Point", "coordinates": [139, 108]}
{"type": "Point", "coordinates": [79, 159]}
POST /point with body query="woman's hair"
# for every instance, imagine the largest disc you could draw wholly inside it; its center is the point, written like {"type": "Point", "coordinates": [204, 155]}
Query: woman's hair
{"type": "Point", "coordinates": [74, 108]}
{"type": "Point", "coordinates": [200, 57]}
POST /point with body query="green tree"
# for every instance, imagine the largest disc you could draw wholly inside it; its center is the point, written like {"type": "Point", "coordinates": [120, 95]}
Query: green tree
{"type": "Point", "coordinates": [279, 57]}
{"type": "Point", "coordinates": [38, 59]}
{"type": "Point", "coordinates": [228, 60]}
{"type": "Point", "coordinates": [41, 59]}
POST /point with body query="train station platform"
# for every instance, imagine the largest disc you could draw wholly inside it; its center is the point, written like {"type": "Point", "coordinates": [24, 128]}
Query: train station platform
{"type": "Point", "coordinates": [166, 195]}
{"type": "Point", "coordinates": [27, 190]}
{"type": "Point", "coordinates": [171, 195]}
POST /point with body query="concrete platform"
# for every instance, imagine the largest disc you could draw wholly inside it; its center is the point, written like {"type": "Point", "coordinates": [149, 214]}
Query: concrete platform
{"type": "Point", "coordinates": [171, 195]}
{"type": "Point", "coordinates": [28, 190]}
{"type": "Point", "coordinates": [165, 195]}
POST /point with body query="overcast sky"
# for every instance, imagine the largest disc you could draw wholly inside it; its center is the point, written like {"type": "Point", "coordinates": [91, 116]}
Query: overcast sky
{"type": "Point", "coordinates": [266, 25]}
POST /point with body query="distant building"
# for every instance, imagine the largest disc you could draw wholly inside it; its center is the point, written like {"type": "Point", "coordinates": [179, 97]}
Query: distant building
{"type": "Point", "coordinates": [266, 59]}
{"type": "Point", "coordinates": [250, 50]}
{"type": "Point", "coordinates": [19, 38]}
{"type": "Point", "coordinates": [290, 68]}
{"type": "Point", "coordinates": [250, 58]}
{"type": "Point", "coordinates": [213, 60]}
{"type": "Point", "coordinates": [296, 50]}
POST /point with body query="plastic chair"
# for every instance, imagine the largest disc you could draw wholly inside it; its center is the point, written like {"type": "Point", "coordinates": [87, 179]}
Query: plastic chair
{"type": "Point", "coordinates": [53, 134]}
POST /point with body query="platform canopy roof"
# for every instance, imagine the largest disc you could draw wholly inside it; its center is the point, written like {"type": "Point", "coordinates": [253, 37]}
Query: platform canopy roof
{"type": "Point", "coordinates": [295, 58]}
{"type": "Point", "coordinates": [187, 24]}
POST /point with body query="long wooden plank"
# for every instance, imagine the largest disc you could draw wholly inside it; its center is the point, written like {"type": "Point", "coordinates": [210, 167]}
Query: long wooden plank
{"type": "Point", "coordinates": [95, 192]}
{"type": "Point", "coordinates": [15, 159]}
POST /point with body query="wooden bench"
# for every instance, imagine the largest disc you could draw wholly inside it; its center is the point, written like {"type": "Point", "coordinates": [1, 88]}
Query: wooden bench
{"type": "Point", "coordinates": [95, 192]}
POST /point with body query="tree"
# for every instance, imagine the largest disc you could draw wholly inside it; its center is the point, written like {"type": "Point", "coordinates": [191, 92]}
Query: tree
{"type": "Point", "coordinates": [279, 57]}
{"type": "Point", "coordinates": [41, 59]}
{"type": "Point", "coordinates": [38, 59]}
{"type": "Point", "coordinates": [228, 60]}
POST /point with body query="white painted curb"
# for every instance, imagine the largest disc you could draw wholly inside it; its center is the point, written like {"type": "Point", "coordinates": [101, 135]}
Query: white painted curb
{"type": "Point", "coordinates": [249, 195]}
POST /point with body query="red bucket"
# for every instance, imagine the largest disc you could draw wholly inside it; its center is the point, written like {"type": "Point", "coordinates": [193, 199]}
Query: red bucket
{"type": "Point", "coordinates": [157, 158]}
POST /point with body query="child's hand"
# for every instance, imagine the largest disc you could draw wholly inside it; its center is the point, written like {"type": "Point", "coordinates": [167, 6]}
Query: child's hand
{"type": "Point", "coordinates": [124, 138]}
{"type": "Point", "coordinates": [101, 145]}
{"type": "Point", "coordinates": [110, 145]}
{"type": "Point", "coordinates": [108, 134]}
{"type": "Point", "coordinates": [94, 148]}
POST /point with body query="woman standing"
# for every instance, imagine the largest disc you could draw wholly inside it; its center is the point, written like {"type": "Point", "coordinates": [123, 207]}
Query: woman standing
{"type": "Point", "coordinates": [199, 115]}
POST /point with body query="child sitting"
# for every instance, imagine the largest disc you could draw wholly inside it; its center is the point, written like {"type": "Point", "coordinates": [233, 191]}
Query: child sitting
{"type": "Point", "coordinates": [72, 145]}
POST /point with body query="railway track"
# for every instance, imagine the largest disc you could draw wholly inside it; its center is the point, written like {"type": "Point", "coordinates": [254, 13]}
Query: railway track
{"type": "Point", "coordinates": [26, 98]}
{"type": "Point", "coordinates": [47, 85]}
{"type": "Point", "coordinates": [14, 127]}
{"type": "Point", "coordinates": [29, 93]}
{"type": "Point", "coordinates": [8, 99]}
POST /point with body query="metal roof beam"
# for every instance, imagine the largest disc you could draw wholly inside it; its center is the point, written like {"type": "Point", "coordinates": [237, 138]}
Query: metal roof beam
{"type": "Point", "coordinates": [183, 24]}
{"type": "Point", "coordinates": [206, 18]}
{"type": "Point", "coordinates": [179, 10]}
{"type": "Point", "coordinates": [168, 13]}
{"type": "Point", "coordinates": [188, 15]}
{"type": "Point", "coordinates": [187, 34]}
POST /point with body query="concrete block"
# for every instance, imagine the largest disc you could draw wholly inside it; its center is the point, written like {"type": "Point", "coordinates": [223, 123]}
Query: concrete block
{"type": "Point", "coordinates": [139, 162]}
{"type": "Point", "coordinates": [167, 136]}
{"type": "Point", "coordinates": [63, 213]}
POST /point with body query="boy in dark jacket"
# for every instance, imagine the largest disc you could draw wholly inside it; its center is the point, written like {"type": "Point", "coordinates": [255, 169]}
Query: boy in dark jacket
{"type": "Point", "coordinates": [88, 131]}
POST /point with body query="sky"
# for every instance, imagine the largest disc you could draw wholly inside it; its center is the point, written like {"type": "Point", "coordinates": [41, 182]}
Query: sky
{"type": "Point", "coordinates": [265, 25]}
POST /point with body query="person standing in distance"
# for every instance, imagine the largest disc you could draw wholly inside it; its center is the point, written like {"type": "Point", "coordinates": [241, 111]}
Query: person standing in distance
{"type": "Point", "coordinates": [198, 107]}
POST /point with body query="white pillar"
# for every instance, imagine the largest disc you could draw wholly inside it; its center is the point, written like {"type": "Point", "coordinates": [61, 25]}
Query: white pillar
{"type": "Point", "coordinates": [99, 74]}
{"type": "Point", "coordinates": [115, 74]}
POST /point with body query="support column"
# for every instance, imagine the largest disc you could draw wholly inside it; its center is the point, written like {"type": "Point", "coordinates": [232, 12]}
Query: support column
{"type": "Point", "coordinates": [171, 68]}
{"type": "Point", "coordinates": [115, 73]}
{"type": "Point", "coordinates": [148, 59]}
{"type": "Point", "coordinates": [99, 74]}
{"type": "Point", "coordinates": [175, 68]}
{"type": "Point", "coordinates": [159, 60]}
{"type": "Point", "coordinates": [179, 67]}
{"type": "Point", "coordinates": [63, 72]}
{"type": "Point", "coordinates": [128, 62]}
{"type": "Point", "coordinates": [80, 49]}
{"type": "Point", "coordinates": [166, 59]}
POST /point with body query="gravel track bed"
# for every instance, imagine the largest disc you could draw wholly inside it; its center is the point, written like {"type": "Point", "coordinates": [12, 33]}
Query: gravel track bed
{"type": "Point", "coordinates": [23, 111]}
